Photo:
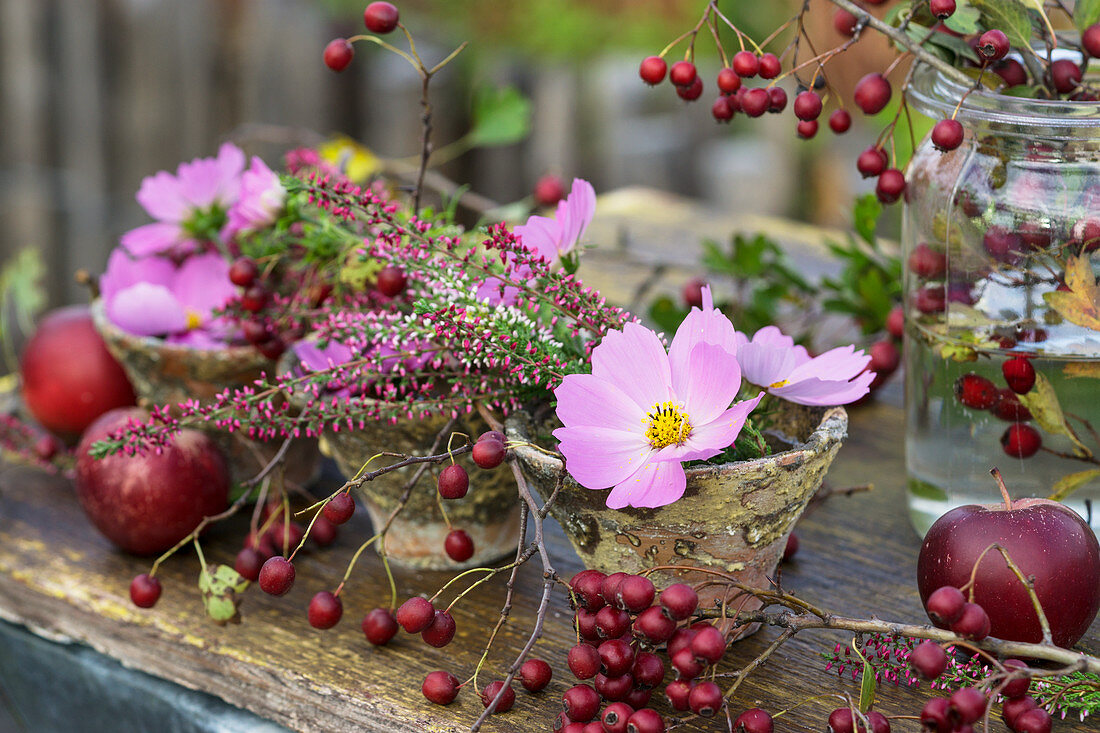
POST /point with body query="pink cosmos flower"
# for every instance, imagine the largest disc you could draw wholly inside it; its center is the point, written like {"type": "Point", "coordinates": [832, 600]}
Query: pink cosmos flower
{"type": "Point", "coordinates": [261, 200]}
{"type": "Point", "coordinates": [205, 188]}
{"type": "Point", "coordinates": [772, 361]}
{"type": "Point", "coordinates": [152, 297]}
{"type": "Point", "coordinates": [631, 423]}
{"type": "Point", "coordinates": [553, 238]}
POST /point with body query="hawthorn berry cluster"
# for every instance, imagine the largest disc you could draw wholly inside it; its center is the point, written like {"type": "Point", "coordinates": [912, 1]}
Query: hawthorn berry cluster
{"type": "Point", "coordinates": [1020, 439]}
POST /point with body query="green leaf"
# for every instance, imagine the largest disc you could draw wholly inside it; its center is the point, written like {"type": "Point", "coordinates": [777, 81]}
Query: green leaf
{"type": "Point", "coordinates": [965, 18]}
{"type": "Point", "coordinates": [865, 216]}
{"type": "Point", "coordinates": [1085, 13]}
{"type": "Point", "coordinates": [867, 684]}
{"type": "Point", "coordinates": [22, 295]}
{"type": "Point", "coordinates": [220, 586]}
{"type": "Point", "coordinates": [666, 314]}
{"type": "Point", "coordinates": [1042, 402]}
{"type": "Point", "coordinates": [1010, 16]}
{"type": "Point", "coordinates": [501, 117]}
{"type": "Point", "coordinates": [1066, 485]}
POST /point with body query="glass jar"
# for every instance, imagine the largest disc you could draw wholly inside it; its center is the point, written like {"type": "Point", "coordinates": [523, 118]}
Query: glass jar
{"type": "Point", "coordinates": [999, 242]}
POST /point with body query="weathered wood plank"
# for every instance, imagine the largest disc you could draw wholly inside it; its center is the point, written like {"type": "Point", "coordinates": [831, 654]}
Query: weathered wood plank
{"type": "Point", "coordinates": [59, 577]}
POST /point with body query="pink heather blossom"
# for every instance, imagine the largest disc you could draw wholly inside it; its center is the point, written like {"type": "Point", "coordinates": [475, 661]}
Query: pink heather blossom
{"type": "Point", "coordinates": [773, 362]}
{"type": "Point", "coordinates": [152, 297]}
{"type": "Point", "coordinates": [261, 200]}
{"type": "Point", "coordinates": [205, 186]}
{"type": "Point", "coordinates": [631, 423]}
{"type": "Point", "coordinates": [554, 238]}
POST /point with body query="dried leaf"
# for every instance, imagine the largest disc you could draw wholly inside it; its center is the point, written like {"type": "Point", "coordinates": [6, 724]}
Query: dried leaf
{"type": "Point", "coordinates": [1081, 303]}
{"type": "Point", "coordinates": [1066, 485]}
{"type": "Point", "coordinates": [1090, 369]}
{"type": "Point", "coordinates": [220, 586]}
{"type": "Point", "coordinates": [1043, 404]}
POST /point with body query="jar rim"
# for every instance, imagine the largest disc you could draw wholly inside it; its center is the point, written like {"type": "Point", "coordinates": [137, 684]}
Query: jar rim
{"type": "Point", "coordinates": [936, 95]}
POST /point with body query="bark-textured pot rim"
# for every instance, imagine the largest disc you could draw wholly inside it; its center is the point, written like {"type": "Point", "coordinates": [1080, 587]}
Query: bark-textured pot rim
{"type": "Point", "coordinates": [236, 358]}
{"type": "Point", "coordinates": [831, 430]}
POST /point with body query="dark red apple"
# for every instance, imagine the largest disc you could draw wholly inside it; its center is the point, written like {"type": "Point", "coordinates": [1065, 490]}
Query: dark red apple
{"type": "Point", "coordinates": [1045, 539]}
{"type": "Point", "coordinates": [69, 378]}
{"type": "Point", "coordinates": [149, 502]}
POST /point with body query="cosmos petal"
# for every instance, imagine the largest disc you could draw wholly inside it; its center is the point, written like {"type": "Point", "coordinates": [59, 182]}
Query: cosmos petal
{"type": "Point", "coordinates": [708, 383]}
{"type": "Point", "coordinates": [655, 483]}
{"type": "Point", "coordinates": [635, 360]}
{"type": "Point", "coordinates": [601, 457]}
{"type": "Point", "coordinates": [585, 399]}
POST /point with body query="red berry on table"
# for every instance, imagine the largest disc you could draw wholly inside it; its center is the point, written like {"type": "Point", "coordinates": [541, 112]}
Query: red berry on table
{"type": "Point", "coordinates": [692, 92]}
{"type": "Point", "coordinates": [721, 110]}
{"type": "Point", "coordinates": [993, 45]}
{"type": "Point", "coordinates": [586, 587]}
{"type": "Point", "coordinates": [276, 576]}
{"type": "Point", "coordinates": [872, 93]}
{"type": "Point", "coordinates": [975, 391]}
{"type": "Point", "coordinates": [929, 659]}
{"type": "Point", "coordinates": [705, 699]}
{"type": "Point", "coordinates": [927, 263]}
{"type": "Point", "coordinates": [248, 563]}
{"type": "Point", "coordinates": [845, 22]}
{"type": "Point", "coordinates": [942, 9]}
{"type": "Point", "coordinates": [871, 162]}
{"type": "Point", "coordinates": [770, 66]}
{"type": "Point", "coordinates": [806, 129]}
{"type": "Point", "coordinates": [890, 186]}
{"type": "Point", "coordinates": [878, 721]}
{"type": "Point", "coordinates": [323, 533]}
{"type": "Point", "coordinates": [1090, 40]}
{"type": "Point", "coordinates": [708, 645]}
{"type": "Point", "coordinates": [687, 666]}
{"type": "Point", "coordinates": [947, 135]}
{"type": "Point", "coordinates": [679, 601]}
{"type": "Point", "coordinates": [507, 699]}
{"type": "Point", "coordinates": [1019, 375]}
{"type": "Point", "coordinates": [682, 73]}
{"type": "Point", "coordinates": [615, 716]}
{"type": "Point", "coordinates": [255, 332]}
{"type": "Point", "coordinates": [1036, 720]}
{"type": "Point", "coordinates": [585, 623]}
{"type": "Point", "coordinates": [144, 590]}
{"type": "Point", "coordinates": [583, 661]}
{"type": "Point", "coordinates": [754, 720]}
{"type": "Point", "coordinates": [680, 639]}
{"type": "Point", "coordinates": [653, 70]}
{"type": "Point", "coordinates": [842, 720]}
{"type": "Point", "coordinates": [254, 299]}
{"type": "Point", "coordinates": [934, 715]}
{"type": "Point", "coordinates": [611, 623]}
{"type": "Point", "coordinates": [535, 675]}
{"type": "Point", "coordinates": [692, 292]}
{"type": "Point", "coordinates": [635, 593]}
{"type": "Point", "coordinates": [677, 693]}
{"type": "Point", "coordinates": [339, 508]}
{"type": "Point", "coordinates": [728, 81]}
{"type": "Point", "coordinates": [550, 189]}
{"type": "Point", "coordinates": [609, 588]}
{"type": "Point", "coordinates": [839, 122]}
{"type": "Point", "coordinates": [458, 545]}
{"type": "Point", "coordinates": [755, 102]}
{"type": "Point", "coordinates": [1065, 75]}
{"type": "Point", "coordinates": [1014, 708]}
{"type": "Point", "coordinates": [391, 281]}
{"type": "Point", "coordinates": [488, 453]}
{"type": "Point", "coordinates": [973, 624]}
{"type": "Point", "coordinates": [648, 670]}
{"type": "Point", "coordinates": [616, 657]}
{"type": "Point", "coordinates": [945, 606]}
{"type": "Point", "coordinates": [1021, 441]}
{"type": "Point", "coordinates": [745, 63]}
{"type": "Point", "coordinates": [777, 99]}
{"type": "Point", "coordinates": [440, 687]}
{"type": "Point", "coordinates": [338, 54]}
{"type": "Point", "coordinates": [1018, 686]}
{"type": "Point", "coordinates": [581, 703]}
{"type": "Point", "coordinates": [968, 704]}
{"type": "Point", "coordinates": [453, 482]}
{"type": "Point", "coordinates": [325, 610]}
{"type": "Point", "coordinates": [791, 548]}
{"type": "Point", "coordinates": [415, 614]}
{"type": "Point", "coordinates": [441, 630]}
{"type": "Point", "coordinates": [645, 721]}
{"type": "Point", "coordinates": [613, 688]}
{"type": "Point", "coordinates": [807, 105]}
{"type": "Point", "coordinates": [654, 626]}
{"type": "Point", "coordinates": [243, 272]}
{"type": "Point", "coordinates": [379, 626]}
{"type": "Point", "coordinates": [380, 17]}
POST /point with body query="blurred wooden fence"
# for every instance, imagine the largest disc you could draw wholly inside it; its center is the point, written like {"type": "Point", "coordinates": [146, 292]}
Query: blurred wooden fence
{"type": "Point", "coordinates": [97, 94]}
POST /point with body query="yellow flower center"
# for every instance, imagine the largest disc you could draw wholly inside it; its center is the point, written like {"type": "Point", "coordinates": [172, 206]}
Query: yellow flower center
{"type": "Point", "coordinates": [194, 319]}
{"type": "Point", "coordinates": [668, 425]}
{"type": "Point", "coordinates": [777, 385]}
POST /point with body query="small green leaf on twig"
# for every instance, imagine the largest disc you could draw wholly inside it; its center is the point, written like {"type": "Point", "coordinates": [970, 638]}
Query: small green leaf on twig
{"type": "Point", "coordinates": [867, 684]}
{"type": "Point", "coordinates": [501, 117]}
{"type": "Point", "coordinates": [1066, 485]}
{"type": "Point", "coordinates": [1042, 402]}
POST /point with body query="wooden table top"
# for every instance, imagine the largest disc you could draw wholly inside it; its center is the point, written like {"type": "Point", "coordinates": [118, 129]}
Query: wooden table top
{"type": "Point", "coordinates": [60, 578]}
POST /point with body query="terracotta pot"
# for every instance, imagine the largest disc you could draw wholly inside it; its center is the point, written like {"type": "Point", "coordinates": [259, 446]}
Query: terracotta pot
{"type": "Point", "coordinates": [167, 374]}
{"type": "Point", "coordinates": [489, 513]}
{"type": "Point", "coordinates": [734, 518]}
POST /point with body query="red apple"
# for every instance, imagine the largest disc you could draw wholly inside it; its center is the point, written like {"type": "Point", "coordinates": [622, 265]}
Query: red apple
{"type": "Point", "coordinates": [1045, 539]}
{"type": "Point", "coordinates": [69, 378]}
{"type": "Point", "coordinates": [149, 502]}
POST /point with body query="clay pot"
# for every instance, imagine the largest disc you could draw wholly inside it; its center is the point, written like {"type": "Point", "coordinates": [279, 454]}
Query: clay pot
{"type": "Point", "coordinates": [168, 374]}
{"type": "Point", "coordinates": [734, 517]}
{"type": "Point", "coordinates": [489, 513]}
